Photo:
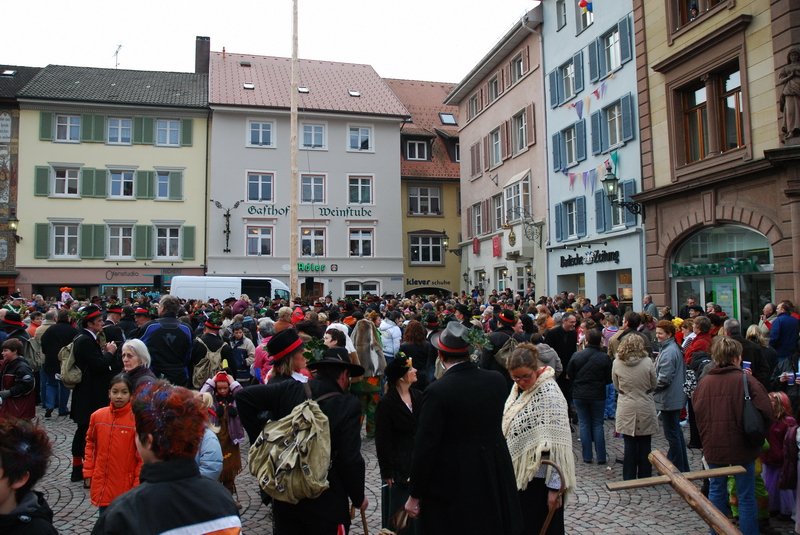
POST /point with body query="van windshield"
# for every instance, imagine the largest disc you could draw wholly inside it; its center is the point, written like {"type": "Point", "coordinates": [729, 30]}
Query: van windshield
{"type": "Point", "coordinates": [282, 294]}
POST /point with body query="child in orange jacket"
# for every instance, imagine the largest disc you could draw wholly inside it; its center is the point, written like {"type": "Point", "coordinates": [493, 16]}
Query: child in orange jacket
{"type": "Point", "coordinates": [112, 462]}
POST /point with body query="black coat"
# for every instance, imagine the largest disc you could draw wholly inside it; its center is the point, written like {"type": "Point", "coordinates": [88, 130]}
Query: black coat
{"type": "Point", "coordinates": [395, 428]}
{"type": "Point", "coordinates": [497, 338]}
{"type": "Point", "coordinates": [213, 342]}
{"type": "Point", "coordinates": [170, 344]}
{"type": "Point", "coordinates": [54, 338]}
{"type": "Point", "coordinates": [461, 470]}
{"type": "Point", "coordinates": [32, 516]}
{"type": "Point", "coordinates": [98, 368]}
{"type": "Point", "coordinates": [424, 359]}
{"type": "Point", "coordinates": [759, 365]}
{"type": "Point", "coordinates": [564, 342]}
{"type": "Point", "coordinates": [590, 372]}
{"type": "Point", "coordinates": [346, 476]}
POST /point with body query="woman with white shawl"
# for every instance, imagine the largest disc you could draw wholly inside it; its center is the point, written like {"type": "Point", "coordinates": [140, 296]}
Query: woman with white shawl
{"type": "Point", "coordinates": [536, 427]}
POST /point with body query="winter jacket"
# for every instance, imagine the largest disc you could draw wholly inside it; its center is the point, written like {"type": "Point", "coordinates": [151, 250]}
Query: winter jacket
{"type": "Point", "coordinates": [718, 405]}
{"type": "Point", "coordinates": [170, 344]}
{"type": "Point", "coordinates": [670, 376]}
{"type": "Point", "coordinates": [32, 516]}
{"type": "Point", "coordinates": [390, 338]}
{"type": "Point", "coordinates": [53, 339]}
{"type": "Point", "coordinates": [701, 342]}
{"type": "Point", "coordinates": [773, 456]}
{"type": "Point", "coordinates": [395, 428]}
{"type": "Point", "coordinates": [635, 380]}
{"type": "Point", "coordinates": [590, 371]}
{"type": "Point", "coordinates": [783, 335]}
{"type": "Point", "coordinates": [235, 429]}
{"type": "Point", "coordinates": [17, 382]}
{"type": "Point", "coordinates": [549, 357]}
{"type": "Point", "coordinates": [111, 459]}
{"type": "Point", "coordinates": [209, 456]}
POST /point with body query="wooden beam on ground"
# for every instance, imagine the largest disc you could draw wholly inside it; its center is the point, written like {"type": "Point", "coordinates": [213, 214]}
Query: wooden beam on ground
{"type": "Point", "coordinates": [663, 480]}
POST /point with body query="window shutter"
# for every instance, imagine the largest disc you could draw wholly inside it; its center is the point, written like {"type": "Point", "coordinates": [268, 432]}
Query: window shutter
{"type": "Point", "coordinates": [602, 67]}
{"type": "Point", "coordinates": [553, 76]}
{"type": "Point", "coordinates": [559, 227]}
{"type": "Point", "coordinates": [580, 216]}
{"type": "Point", "coordinates": [188, 243]}
{"type": "Point", "coordinates": [594, 72]}
{"type": "Point", "coordinates": [486, 163]}
{"type": "Point", "coordinates": [41, 181]}
{"type": "Point", "coordinates": [45, 127]}
{"type": "Point", "coordinates": [530, 124]}
{"type": "Point", "coordinates": [176, 186]}
{"type": "Point", "coordinates": [138, 130]}
{"type": "Point", "coordinates": [87, 241]}
{"type": "Point", "coordinates": [99, 129]}
{"type": "Point", "coordinates": [143, 236]}
{"type": "Point", "coordinates": [41, 248]}
{"type": "Point", "coordinates": [580, 140]}
{"type": "Point", "coordinates": [577, 61]}
{"type": "Point", "coordinates": [597, 133]}
{"type": "Point", "coordinates": [87, 182]}
{"type": "Point", "coordinates": [526, 59]}
{"type": "Point", "coordinates": [628, 189]}
{"type": "Point", "coordinates": [87, 128]}
{"type": "Point", "coordinates": [625, 52]}
{"type": "Point", "coordinates": [186, 132]}
{"type": "Point", "coordinates": [148, 130]}
{"type": "Point", "coordinates": [100, 183]}
{"type": "Point", "coordinates": [99, 247]}
{"type": "Point", "coordinates": [556, 147]}
{"type": "Point", "coordinates": [144, 184]}
{"type": "Point", "coordinates": [485, 219]}
{"type": "Point", "coordinates": [469, 222]}
{"type": "Point", "coordinates": [504, 152]}
{"type": "Point", "coordinates": [599, 211]}
{"type": "Point", "coordinates": [626, 105]}
{"type": "Point", "coordinates": [607, 207]}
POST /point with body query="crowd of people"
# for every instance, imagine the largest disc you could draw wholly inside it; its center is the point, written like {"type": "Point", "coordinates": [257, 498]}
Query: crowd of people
{"type": "Point", "coordinates": [474, 402]}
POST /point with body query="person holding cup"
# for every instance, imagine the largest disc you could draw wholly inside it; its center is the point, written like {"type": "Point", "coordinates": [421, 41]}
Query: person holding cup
{"type": "Point", "coordinates": [784, 379]}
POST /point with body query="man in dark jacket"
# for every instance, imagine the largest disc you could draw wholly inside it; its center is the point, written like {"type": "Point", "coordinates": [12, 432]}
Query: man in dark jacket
{"type": "Point", "coordinates": [564, 339]}
{"type": "Point", "coordinates": [169, 342]}
{"type": "Point", "coordinates": [506, 322]}
{"type": "Point", "coordinates": [460, 427]}
{"type": "Point", "coordinates": [211, 341]}
{"type": "Point", "coordinates": [54, 393]}
{"type": "Point", "coordinates": [783, 333]}
{"type": "Point", "coordinates": [347, 473]}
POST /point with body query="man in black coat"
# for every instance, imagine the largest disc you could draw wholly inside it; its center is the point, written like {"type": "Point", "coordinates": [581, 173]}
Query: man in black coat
{"type": "Point", "coordinates": [169, 342]}
{"type": "Point", "coordinates": [347, 473]}
{"type": "Point", "coordinates": [564, 339]}
{"type": "Point", "coordinates": [53, 339]}
{"type": "Point", "coordinates": [462, 478]}
{"type": "Point", "coordinates": [211, 341]}
{"type": "Point", "coordinates": [506, 321]}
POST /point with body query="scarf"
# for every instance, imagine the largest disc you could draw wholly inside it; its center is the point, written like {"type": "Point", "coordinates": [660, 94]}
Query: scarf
{"type": "Point", "coordinates": [535, 421]}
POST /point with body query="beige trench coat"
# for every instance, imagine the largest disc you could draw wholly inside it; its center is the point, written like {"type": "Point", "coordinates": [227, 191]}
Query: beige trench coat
{"type": "Point", "coordinates": [635, 380]}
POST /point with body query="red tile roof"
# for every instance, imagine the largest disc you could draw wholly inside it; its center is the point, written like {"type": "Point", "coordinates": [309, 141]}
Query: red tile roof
{"type": "Point", "coordinates": [424, 100]}
{"type": "Point", "coordinates": [328, 82]}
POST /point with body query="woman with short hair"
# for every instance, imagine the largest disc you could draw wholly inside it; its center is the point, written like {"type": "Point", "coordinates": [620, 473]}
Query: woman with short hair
{"type": "Point", "coordinates": [136, 363]}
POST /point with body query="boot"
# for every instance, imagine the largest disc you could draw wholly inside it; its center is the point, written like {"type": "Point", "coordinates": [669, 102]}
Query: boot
{"type": "Point", "coordinates": [77, 473]}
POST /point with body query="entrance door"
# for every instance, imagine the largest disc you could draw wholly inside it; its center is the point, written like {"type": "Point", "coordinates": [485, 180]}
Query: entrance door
{"type": "Point", "coordinates": [684, 289]}
{"type": "Point", "coordinates": [724, 291]}
{"type": "Point", "coordinates": [312, 291]}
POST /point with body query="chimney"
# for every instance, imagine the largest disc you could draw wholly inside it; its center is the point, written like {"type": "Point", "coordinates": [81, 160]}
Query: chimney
{"type": "Point", "coordinates": [202, 51]}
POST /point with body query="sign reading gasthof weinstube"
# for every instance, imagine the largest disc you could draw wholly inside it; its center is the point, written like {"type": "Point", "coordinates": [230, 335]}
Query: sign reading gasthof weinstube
{"type": "Point", "coordinates": [271, 209]}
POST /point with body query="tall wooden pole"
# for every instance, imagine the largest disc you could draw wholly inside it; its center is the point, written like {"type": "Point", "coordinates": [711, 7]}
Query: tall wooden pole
{"type": "Point", "coordinates": [294, 286]}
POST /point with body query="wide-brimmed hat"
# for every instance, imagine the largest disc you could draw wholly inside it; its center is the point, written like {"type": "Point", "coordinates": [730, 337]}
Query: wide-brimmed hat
{"type": "Point", "coordinates": [12, 318]}
{"type": "Point", "coordinates": [284, 343]}
{"type": "Point", "coordinates": [337, 356]}
{"type": "Point", "coordinates": [141, 311]}
{"type": "Point", "coordinates": [464, 309]}
{"type": "Point", "coordinates": [452, 340]}
{"type": "Point", "coordinates": [213, 323]}
{"type": "Point", "coordinates": [430, 321]}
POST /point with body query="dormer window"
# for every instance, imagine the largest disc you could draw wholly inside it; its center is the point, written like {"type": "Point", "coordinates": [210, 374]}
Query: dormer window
{"type": "Point", "coordinates": [303, 89]}
{"type": "Point", "coordinates": [9, 72]}
{"type": "Point", "coordinates": [249, 85]}
{"type": "Point", "coordinates": [448, 119]}
{"type": "Point", "coordinates": [353, 93]}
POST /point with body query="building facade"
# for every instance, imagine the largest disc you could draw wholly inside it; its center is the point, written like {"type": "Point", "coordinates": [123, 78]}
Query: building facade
{"type": "Point", "coordinates": [112, 173]}
{"type": "Point", "coordinates": [350, 226]}
{"type": "Point", "coordinates": [720, 168]}
{"type": "Point", "coordinates": [595, 243]}
{"type": "Point", "coordinates": [503, 178]}
{"type": "Point", "coordinates": [429, 169]}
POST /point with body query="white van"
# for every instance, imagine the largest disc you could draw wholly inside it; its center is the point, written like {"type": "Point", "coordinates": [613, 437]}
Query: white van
{"type": "Point", "coordinates": [205, 288]}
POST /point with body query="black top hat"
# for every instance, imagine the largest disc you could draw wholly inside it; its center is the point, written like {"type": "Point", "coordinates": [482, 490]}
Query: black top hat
{"type": "Point", "coordinates": [464, 309]}
{"type": "Point", "coordinates": [284, 343]}
{"type": "Point", "coordinates": [452, 340]}
{"type": "Point", "coordinates": [397, 368]}
{"type": "Point", "coordinates": [335, 356]}
{"type": "Point", "coordinates": [12, 318]}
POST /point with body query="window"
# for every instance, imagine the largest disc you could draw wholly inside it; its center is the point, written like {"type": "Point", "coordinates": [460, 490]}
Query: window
{"type": "Point", "coordinates": [65, 240]}
{"type": "Point", "coordinates": [360, 189]}
{"type": "Point", "coordinates": [477, 219]}
{"type": "Point", "coordinates": [561, 14]}
{"type": "Point", "coordinates": [457, 152]}
{"type": "Point", "coordinates": [68, 128]}
{"type": "Point", "coordinates": [566, 81]}
{"type": "Point", "coordinates": [473, 106]}
{"type": "Point", "coordinates": [517, 68]}
{"type": "Point", "coordinates": [169, 185]}
{"type": "Point", "coordinates": [312, 242]}
{"type": "Point", "coordinates": [259, 241]}
{"type": "Point", "coordinates": [613, 216]}
{"type": "Point", "coordinates": [312, 188]}
{"type": "Point", "coordinates": [495, 148]}
{"type": "Point", "coordinates": [168, 242]}
{"type": "Point", "coordinates": [260, 134]}
{"type": "Point", "coordinates": [518, 199]}
{"type": "Point", "coordinates": [585, 19]}
{"type": "Point", "coordinates": [424, 200]}
{"type": "Point", "coordinates": [519, 133]}
{"type": "Point", "coordinates": [448, 119]}
{"type": "Point", "coordinates": [313, 136]}
{"type": "Point", "coordinates": [259, 187]}
{"type": "Point", "coordinates": [416, 150]}
{"type": "Point", "coordinates": [66, 181]}
{"type": "Point", "coordinates": [360, 138]}
{"type": "Point", "coordinates": [119, 131]}
{"type": "Point", "coordinates": [168, 132]}
{"type": "Point", "coordinates": [493, 89]}
{"type": "Point", "coordinates": [475, 167]}
{"type": "Point", "coordinates": [426, 249]}
{"type": "Point", "coordinates": [613, 125]}
{"type": "Point", "coordinates": [731, 116]}
{"type": "Point", "coordinates": [682, 12]}
{"type": "Point", "coordinates": [121, 183]}
{"type": "Point", "coordinates": [360, 242]}
{"type": "Point", "coordinates": [360, 289]}
{"type": "Point", "coordinates": [569, 146]}
{"type": "Point", "coordinates": [611, 50]}
{"type": "Point", "coordinates": [567, 73]}
{"type": "Point", "coordinates": [497, 206]}
{"type": "Point", "coordinates": [571, 219]}
{"type": "Point", "coordinates": [120, 241]}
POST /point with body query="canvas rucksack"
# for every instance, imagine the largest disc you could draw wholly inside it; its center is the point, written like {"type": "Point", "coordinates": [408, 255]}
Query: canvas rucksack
{"type": "Point", "coordinates": [208, 366]}
{"type": "Point", "coordinates": [32, 351]}
{"type": "Point", "coordinates": [291, 457]}
{"type": "Point", "coordinates": [71, 375]}
{"type": "Point", "coordinates": [505, 351]}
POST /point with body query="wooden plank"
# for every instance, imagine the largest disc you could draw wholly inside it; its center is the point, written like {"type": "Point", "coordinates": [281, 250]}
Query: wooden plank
{"type": "Point", "coordinates": [662, 480]}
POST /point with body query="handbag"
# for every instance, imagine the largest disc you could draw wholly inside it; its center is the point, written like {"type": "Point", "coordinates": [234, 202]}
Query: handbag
{"type": "Point", "coordinates": [755, 429]}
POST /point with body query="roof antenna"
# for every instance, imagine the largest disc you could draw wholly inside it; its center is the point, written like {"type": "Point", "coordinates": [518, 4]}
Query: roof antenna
{"type": "Point", "coordinates": [116, 57]}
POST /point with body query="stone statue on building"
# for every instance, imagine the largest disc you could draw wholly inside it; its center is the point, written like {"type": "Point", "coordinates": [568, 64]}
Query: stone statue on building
{"type": "Point", "coordinates": [790, 96]}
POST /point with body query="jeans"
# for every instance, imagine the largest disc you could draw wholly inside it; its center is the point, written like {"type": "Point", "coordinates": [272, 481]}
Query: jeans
{"type": "Point", "coordinates": [54, 393]}
{"type": "Point", "coordinates": [635, 463]}
{"type": "Point", "coordinates": [611, 401]}
{"type": "Point", "coordinates": [590, 420]}
{"type": "Point", "coordinates": [671, 423]}
{"type": "Point", "coordinates": [746, 492]}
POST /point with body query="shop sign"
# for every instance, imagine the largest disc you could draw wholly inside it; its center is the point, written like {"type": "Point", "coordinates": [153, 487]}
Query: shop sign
{"type": "Point", "coordinates": [496, 246]}
{"type": "Point", "coordinates": [272, 210]}
{"type": "Point", "coordinates": [111, 275]}
{"type": "Point", "coordinates": [306, 267]}
{"type": "Point", "coordinates": [427, 282]}
{"type": "Point", "coordinates": [729, 267]}
{"type": "Point", "coordinates": [5, 128]}
{"type": "Point", "coordinates": [476, 246]}
{"type": "Point", "coordinates": [590, 257]}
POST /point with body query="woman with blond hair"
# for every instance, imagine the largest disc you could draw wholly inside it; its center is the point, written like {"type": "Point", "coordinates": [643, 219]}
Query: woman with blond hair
{"type": "Point", "coordinates": [634, 377]}
{"type": "Point", "coordinates": [370, 356]}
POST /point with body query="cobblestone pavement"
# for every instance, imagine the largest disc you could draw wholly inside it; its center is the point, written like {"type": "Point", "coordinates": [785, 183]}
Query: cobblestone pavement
{"type": "Point", "coordinates": [591, 510]}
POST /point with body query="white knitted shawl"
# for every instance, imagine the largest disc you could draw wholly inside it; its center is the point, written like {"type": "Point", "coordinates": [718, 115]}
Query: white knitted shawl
{"type": "Point", "coordinates": [536, 422]}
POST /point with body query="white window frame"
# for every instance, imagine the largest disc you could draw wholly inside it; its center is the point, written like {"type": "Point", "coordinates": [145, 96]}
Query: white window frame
{"type": "Point", "coordinates": [477, 219]}
{"type": "Point", "coordinates": [361, 236]}
{"type": "Point", "coordinates": [517, 68]}
{"type": "Point", "coordinates": [457, 152]}
{"type": "Point", "coordinates": [416, 150]}
{"type": "Point", "coordinates": [497, 207]}
{"type": "Point", "coordinates": [169, 128]}
{"type": "Point", "coordinates": [571, 211]}
{"type": "Point", "coordinates": [430, 242]}
{"type": "Point", "coordinates": [173, 234]}
{"type": "Point", "coordinates": [585, 19]}
{"type": "Point", "coordinates": [495, 148]}
{"type": "Point", "coordinates": [263, 126]}
{"type": "Point", "coordinates": [316, 181]}
{"type": "Point", "coordinates": [68, 128]}
{"type": "Point", "coordinates": [313, 235]}
{"type": "Point", "coordinates": [567, 78]}
{"type": "Point", "coordinates": [617, 215]}
{"type": "Point", "coordinates": [493, 88]}
{"type": "Point", "coordinates": [570, 140]}
{"type": "Point", "coordinates": [125, 176]}
{"type": "Point", "coordinates": [265, 233]}
{"type": "Point", "coordinates": [519, 132]}
{"type": "Point", "coordinates": [612, 51]}
{"type": "Point", "coordinates": [314, 130]}
{"type": "Point", "coordinates": [124, 234]}
{"type": "Point", "coordinates": [561, 14]}
{"type": "Point", "coordinates": [69, 232]}
{"type": "Point", "coordinates": [613, 125]}
{"type": "Point", "coordinates": [116, 128]}
{"type": "Point", "coordinates": [517, 199]}
{"type": "Point", "coordinates": [261, 184]}
{"type": "Point", "coordinates": [361, 131]}
{"type": "Point", "coordinates": [424, 195]}
{"type": "Point", "coordinates": [358, 289]}
{"type": "Point", "coordinates": [161, 174]}
{"type": "Point", "coordinates": [473, 106]}
{"type": "Point", "coordinates": [66, 179]}
{"type": "Point", "coordinates": [361, 183]}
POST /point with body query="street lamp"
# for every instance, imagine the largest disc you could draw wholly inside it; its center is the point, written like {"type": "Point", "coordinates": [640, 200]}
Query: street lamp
{"type": "Point", "coordinates": [13, 225]}
{"type": "Point", "coordinates": [611, 186]}
{"type": "Point", "coordinates": [226, 213]}
{"type": "Point", "coordinates": [445, 239]}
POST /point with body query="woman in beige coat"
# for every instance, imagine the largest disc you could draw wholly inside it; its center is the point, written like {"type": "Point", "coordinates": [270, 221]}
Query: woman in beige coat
{"type": "Point", "coordinates": [634, 378]}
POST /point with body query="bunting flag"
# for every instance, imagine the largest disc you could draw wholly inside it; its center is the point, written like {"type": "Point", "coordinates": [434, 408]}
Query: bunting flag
{"type": "Point", "coordinates": [615, 161]}
{"type": "Point", "coordinates": [603, 90]}
{"type": "Point", "coordinates": [592, 180]}
{"type": "Point", "coordinates": [584, 175]}
{"type": "Point", "coordinates": [579, 109]}
{"type": "Point", "coordinates": [587, 104]}
{"type": "Point", "coordinates": [571, 181]}
{"type": "Point", "coordinates": [596, 94]}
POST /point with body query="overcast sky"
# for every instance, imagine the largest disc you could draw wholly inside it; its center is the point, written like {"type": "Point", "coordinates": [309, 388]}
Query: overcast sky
{"type": "Point", "coordinates": [437, 40]}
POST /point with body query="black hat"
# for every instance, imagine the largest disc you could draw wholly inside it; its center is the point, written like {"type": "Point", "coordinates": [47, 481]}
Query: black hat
{"type": "Point", "coordinates": [229, 299]}
{"type": "Point", "coordinates": [284, 343]}
{"type": "Point", "coordinates": [17, 296]}
{"type": "Point", "coordinates": [464, 309]}
{"type": "Point", "coordinates": [89, 312]}
{"type": "Point", "coordinates": [397, 368]}
{"type": "Point", "coordinates": [508, 317]}
{"type": "Point", "coordinates": [213, 322]}
{"type": "Point", "coordinates": [14, 319]}
{"type": "Point", "coordinates": [431, 321]}
{"type": "Point", "coordinates": [452, 340]}
{"type": "Point", "coordinates": [335, 356]}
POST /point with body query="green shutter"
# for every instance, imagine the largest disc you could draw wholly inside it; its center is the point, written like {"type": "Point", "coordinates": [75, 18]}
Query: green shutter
{"type": "Point", "coordinates": [41, 248]}
{"type": "Point", "coordinates": [41, 183]}
{"type": "Point", "coordinates": [99, 130]}
{"type": "Point", "coordinates": [87, 182]}
{"type": "Point", "coordinates": [99, 246]}
{"type": "Point", "coordinates": [45, 126]}
{"type": "Point", "coordinates": [188, 243]}
{"type": "Point", "coordinates": [143, 238]}
{"type": "Point", "coordinates": [144, 184]}
{"type": "Point", "coordinates": [138, 130]}
{"type": "Point", "coordinates": [100, 183]}
{"type": "Point", "coordinates": [87, 125]}
{"type": "Point", "coordinates": [186, 132]}
{"type": "Point", "coordinates": [175, 185]}
{"type": "Point", "coordinates": [148, 130]}
{"type": "Point", "coordinates": [87, 241]}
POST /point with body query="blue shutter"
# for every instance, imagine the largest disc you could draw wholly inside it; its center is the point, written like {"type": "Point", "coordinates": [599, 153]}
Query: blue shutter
{"type": "Point", "coordinates": [594, 73]}
{"type": "Point", "coordinates": [607, 207]}
{"type": "Point", "coordinates": [597, 132]}
{"type": "Point", "coordinates": [599, 211]}
{"type": "Point", "coordinates": [559, 224]}
{"type": "Point", "coordinates": [625, 52]}
{"type": "Point", "coordinates": [562, 151]}
{"type": "Point", "coordinates": [553, 76]}
{"type": "Point", "coordinates": [577, 61]}
{"type": "Point", "coordinates": [628, 189]}
{"type": "Point", "coordinates": [580, 140]}
{"type": "Point", "coordinates": [556, 147]}
{"type": "Point", "coordinates": [626, 105]}
{"type": "Point", "coordinates": [602, 66]}
{"type": "Point", "coordinates": [580, 216]}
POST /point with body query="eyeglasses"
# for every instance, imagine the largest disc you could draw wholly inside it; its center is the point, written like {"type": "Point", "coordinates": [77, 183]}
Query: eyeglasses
{"type": "Point", "coordinates": [522, 377]}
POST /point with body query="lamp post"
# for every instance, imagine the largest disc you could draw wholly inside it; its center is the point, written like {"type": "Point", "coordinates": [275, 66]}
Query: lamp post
{"type": "Point", "coordinates": [226, 213]}
{"type": "Point", "coordinates": [611, 186]}
{"type": "Point", "coordinates": [13, 225]}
